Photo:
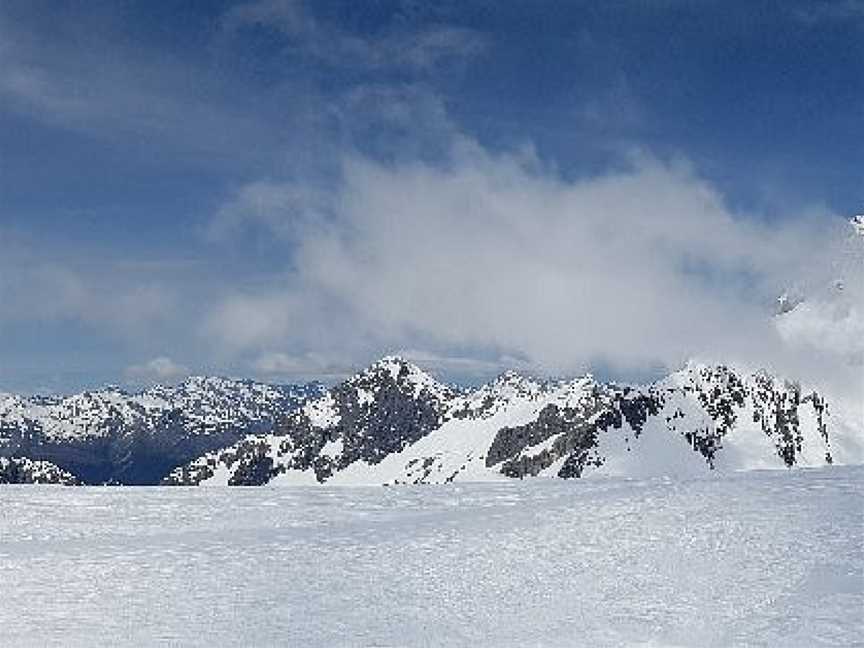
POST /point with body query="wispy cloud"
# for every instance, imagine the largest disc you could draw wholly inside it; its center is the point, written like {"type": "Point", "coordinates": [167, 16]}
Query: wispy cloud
{"type": "Point", "coordinates": [99, 84]}
{"type": "Point", "coordinates": [281, 208]}
{"type": "Point", "coordinates": [419, 50]}
{"type": "Point", "coordinates": [819, 11]}
{"type": "Point", "coordinates": [161, 369]}
{"type": "Point", "coordinates": [35, 288]}
{"type": "Point", "coordinates": [273, 365]}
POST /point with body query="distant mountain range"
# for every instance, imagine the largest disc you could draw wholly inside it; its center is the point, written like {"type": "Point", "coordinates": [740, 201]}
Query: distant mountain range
{"type": "Point", "coordinates": [112, 436]}
{"type": "Point", "coordinates": [394, 423]}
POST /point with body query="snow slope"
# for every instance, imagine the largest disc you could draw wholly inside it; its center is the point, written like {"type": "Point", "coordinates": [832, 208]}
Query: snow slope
{"type": "Point", "coordinates": [761, 558]}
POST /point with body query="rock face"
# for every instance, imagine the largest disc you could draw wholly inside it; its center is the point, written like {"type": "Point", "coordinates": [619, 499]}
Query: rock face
{"type": "Point", "coordinates": [20, 470]}
{"type": "Point", "coordinates": [393, 423]}
{"type": "Point", "coordinates": [570, 434]}
{"type": "Point", "coordinates": [111, 436]}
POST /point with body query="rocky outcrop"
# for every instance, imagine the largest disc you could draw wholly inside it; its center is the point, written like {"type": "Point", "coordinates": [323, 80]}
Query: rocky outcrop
{"type": "Point", "coordinates": [21, 470]}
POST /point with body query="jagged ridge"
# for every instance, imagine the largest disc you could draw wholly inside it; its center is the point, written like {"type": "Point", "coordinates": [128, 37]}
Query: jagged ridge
{"type": "Point", "coordinates": [395, 423]}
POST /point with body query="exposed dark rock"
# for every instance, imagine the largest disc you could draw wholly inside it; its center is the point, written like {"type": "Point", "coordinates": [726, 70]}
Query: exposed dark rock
{"type": "Point", "coordinates": [575, 432]}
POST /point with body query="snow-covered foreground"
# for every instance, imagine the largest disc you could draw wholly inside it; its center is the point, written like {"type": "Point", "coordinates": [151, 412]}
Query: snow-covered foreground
{"type": "Point", "coordinates": [760, 558]}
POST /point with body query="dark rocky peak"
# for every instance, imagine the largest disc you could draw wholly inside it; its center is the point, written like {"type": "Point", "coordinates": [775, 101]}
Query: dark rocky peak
{"type": "Point", "coordinates": [376, 412]}
{"type": "Point", "coordinates": [393, 373]}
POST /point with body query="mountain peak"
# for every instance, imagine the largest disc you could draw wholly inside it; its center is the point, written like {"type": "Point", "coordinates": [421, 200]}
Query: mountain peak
{"type": "Point", "coordinates": [509, 376]}
{"type": "Point", "coordinates": [513, 381]}
{"type": "Point", "coordinates": [394, 363]}
{"type": "Point", "coordinates": [401, 371]}
{"type": "Point", "coordinates": [392, 375]}
{"type": "Point", "coordinates": [204, 382]}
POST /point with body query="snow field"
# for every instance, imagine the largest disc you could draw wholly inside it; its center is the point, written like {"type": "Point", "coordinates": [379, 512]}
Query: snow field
{"type": "Point", "coordinates": [772, 558]}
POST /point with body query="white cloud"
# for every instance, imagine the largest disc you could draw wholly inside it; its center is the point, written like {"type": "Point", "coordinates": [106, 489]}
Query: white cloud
{"type": "Point", "coordinates": [496, 254]}
{"type": "Point", "coordinates": [282, 208]}
{"type": "Point", "coordinates": [126, 303]}
{"type": "Point", "coordinates": [273, 364]}
{"type": "Point", "coordinates": [836, 328]}
{"type": "Point", "coordinates": [159, 369]}
{"type": "Point", "coordinates": [825, 331]}
{"type": "Point", "coordinates": [248, 321]}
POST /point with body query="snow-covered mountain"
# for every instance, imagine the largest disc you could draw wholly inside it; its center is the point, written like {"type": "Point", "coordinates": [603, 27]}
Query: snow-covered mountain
{"type": "Point", "coordinates": [394, 423]}
{"type": "Point", "coordinates": [110, 435]}
{"type": "Point", "coordinates": [21, 470]}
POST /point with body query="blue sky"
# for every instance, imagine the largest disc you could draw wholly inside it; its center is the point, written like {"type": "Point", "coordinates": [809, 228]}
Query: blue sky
{"type": "Point", "coordinates": [237, 187]}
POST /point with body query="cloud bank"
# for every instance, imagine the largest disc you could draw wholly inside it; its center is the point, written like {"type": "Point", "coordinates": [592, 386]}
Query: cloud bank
{"type": "Point", "coordinates": [496, 254]}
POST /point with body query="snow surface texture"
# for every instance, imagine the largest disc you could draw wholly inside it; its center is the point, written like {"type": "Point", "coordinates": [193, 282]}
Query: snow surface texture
{"type": "Point", "coordinates": [393, 423]}
{"type": "Point", "coordinates": [762, 558]}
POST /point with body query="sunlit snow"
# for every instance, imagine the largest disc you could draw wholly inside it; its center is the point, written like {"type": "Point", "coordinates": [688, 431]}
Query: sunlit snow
{"type": "Point", "coordinates": [761, 558]}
